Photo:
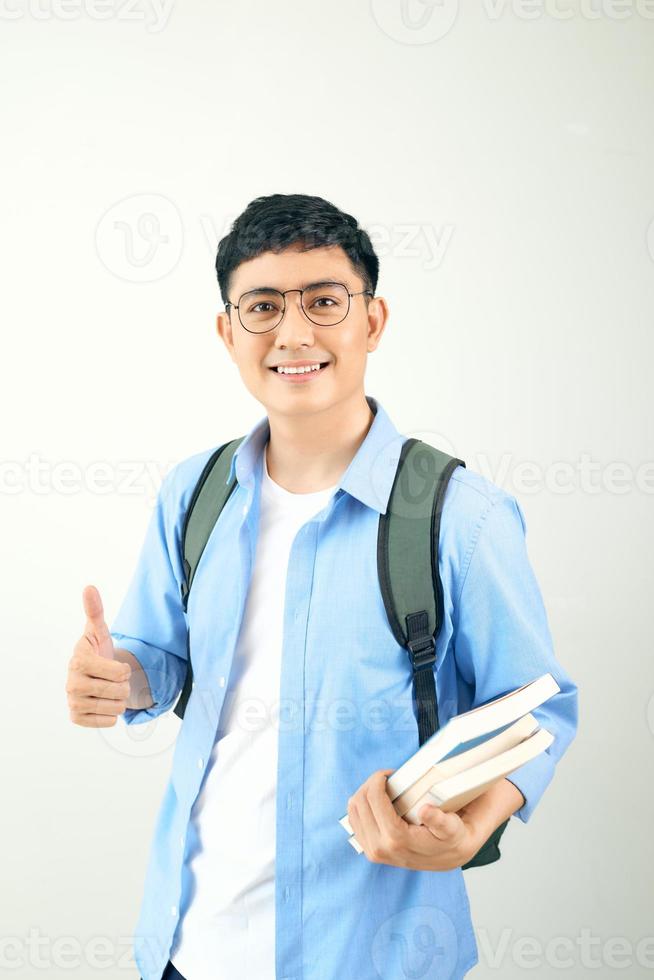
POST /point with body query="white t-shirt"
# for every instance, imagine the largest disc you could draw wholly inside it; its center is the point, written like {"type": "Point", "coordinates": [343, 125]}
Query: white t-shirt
{"type": "Point", "coordinates": [228, 930]}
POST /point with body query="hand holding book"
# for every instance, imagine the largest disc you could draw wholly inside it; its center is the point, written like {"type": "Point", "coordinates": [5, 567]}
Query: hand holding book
{"type": "Point", "coordinates": [467, 758]}
{"type": "Point", "coordinates": [443, 841]}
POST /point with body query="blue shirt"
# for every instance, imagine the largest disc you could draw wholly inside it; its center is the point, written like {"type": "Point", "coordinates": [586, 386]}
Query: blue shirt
{"type": "Point", "coordinates": [346, 702]}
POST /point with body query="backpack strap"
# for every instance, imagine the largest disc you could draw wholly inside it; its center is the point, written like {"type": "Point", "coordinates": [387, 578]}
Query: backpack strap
{"type": "Point", "coordinates": [205, 506]}
{"type": "Point", "coordinates": [411, 587]}
{"type": "Point", "coordinates": [407, 563]}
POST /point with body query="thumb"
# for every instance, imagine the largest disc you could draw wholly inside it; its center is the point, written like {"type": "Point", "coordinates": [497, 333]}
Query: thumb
{"type": "Point", "coordinates": [96, 628]}
{"type": "Point", "coordinates": [441, 824]}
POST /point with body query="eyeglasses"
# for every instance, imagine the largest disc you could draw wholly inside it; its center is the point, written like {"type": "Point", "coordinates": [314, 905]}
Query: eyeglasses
{"type": "Point", "coordinates": [324, 303]}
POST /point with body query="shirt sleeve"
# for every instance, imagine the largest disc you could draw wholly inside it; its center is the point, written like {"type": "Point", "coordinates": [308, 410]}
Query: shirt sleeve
{"type": "Point", "coordinates": [502, 638]}
{"type": "Point", "coordinates": [151, 622]}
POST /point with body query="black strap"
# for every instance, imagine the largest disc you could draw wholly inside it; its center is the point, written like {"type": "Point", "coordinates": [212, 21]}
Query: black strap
{"type": "Point", "coordinates": [422, 654]}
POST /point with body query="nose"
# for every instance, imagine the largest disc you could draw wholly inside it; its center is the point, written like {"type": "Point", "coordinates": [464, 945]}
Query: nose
{"type": "Point", "coordinates": [296, 328]}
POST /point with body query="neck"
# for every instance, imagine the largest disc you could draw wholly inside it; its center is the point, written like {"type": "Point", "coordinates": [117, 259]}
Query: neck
{"type": "Point", "coordinates": [311, 452]}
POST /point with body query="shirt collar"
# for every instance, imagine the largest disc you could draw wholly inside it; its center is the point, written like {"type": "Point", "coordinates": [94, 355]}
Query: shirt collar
{"type": "Point", "coordinates": [370, 474]}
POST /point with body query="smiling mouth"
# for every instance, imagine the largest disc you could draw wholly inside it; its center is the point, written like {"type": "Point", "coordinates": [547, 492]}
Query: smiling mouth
{"type": "Point", "coordinates": [300, 374]}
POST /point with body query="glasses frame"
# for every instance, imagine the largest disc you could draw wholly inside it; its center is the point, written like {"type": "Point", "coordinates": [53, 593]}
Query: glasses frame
{"type": "Point", "coordinates": [327, 282]}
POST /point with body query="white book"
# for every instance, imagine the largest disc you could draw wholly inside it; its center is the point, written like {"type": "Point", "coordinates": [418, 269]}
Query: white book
{"type": "Point", "coordinates": [462, 761]}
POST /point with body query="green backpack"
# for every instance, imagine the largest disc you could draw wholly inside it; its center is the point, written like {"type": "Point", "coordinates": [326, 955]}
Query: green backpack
{"type": "Point", "coordinates": [407, 565]}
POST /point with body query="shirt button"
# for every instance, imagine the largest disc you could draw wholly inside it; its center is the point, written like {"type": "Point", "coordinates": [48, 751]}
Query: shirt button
{"type": "Point", "coordinates": [173, 910]}
{"type": "Point", "coordinates": [181, 840]}
{"type": "Point", "coordinates": [287, 893]}
{"type": "Point", "coordinates": [297, 615]}
{"type": "Point", "coordinates": [221, 681]}
{"type": "Point", "coordinates": [200, 763]}
{"type": "Point", "coordinates": [289, 801]}
{"type": "Point", "coordinates": [245, 509]}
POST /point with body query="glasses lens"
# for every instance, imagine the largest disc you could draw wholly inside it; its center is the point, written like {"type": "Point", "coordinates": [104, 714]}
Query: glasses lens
{"type": "Point", "coordinates": [326, 304]}
{"type": "Point", "coordinates": [260, 309]}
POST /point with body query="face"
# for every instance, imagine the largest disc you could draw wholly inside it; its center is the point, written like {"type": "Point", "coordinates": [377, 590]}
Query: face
{"type": "Point", "coordinates": [343, 348]}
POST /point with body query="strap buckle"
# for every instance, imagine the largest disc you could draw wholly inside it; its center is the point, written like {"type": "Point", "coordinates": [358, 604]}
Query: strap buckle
{"type": "Point", "coordinates": [422, 652]}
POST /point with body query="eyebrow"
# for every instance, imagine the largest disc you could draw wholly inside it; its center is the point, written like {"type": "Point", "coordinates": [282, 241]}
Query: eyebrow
{"type": "Point", "coordinates": [320, 282]}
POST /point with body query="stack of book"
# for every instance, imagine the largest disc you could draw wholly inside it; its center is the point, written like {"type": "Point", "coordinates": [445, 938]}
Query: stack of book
{"type": "Point", "coordinates": [470, 753]}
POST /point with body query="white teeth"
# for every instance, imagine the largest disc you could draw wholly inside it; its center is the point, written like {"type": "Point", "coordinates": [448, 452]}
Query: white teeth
{"type": "Point", "coordinates": [299, 370]}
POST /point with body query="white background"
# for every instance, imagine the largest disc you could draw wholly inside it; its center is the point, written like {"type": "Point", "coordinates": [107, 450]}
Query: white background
{"type": "Point", "coordinates": [501, 157]}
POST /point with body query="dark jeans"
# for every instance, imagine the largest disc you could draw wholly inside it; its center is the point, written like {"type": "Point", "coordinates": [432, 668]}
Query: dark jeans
{"type": "Point", "coordinates": [170, 973]}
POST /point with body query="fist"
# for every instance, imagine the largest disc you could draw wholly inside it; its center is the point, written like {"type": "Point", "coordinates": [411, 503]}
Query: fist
{"type": "Point", "coordinates": [97, 685]}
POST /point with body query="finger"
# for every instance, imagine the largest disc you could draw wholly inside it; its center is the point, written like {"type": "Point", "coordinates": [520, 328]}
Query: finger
{"type": "Point", "coordinates": [93, 721]}
{"type": "Point", "coordinates": [87, 662]}
{"type": "Point", "coordinates": [98, 705]}
{"type": "Point", "coordinates": [96, 627]}
{"type": "Point", "coordinates": [93, 607]}
{"type": "Point", "coordinates": [355, 809]}
{"type": "Point", "coordinates": [369, 834]}
{"type": "Point", "coordinates": [383, 811]}
{"type": "Point", "coordinates": [442, 825]}
{"type": "Point", "coordinates": [85, 687]}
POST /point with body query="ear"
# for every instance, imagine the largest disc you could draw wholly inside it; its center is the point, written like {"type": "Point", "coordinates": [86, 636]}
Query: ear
{"type": "Point", "coordinates": [224, 328]}
{"type": "Point", "coordinates": [377, 319]}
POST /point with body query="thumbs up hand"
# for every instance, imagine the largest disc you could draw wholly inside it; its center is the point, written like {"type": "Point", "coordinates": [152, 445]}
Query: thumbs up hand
{"type": "Point", "coordinates": [97, 685]}
{"type": "Point", "coordinates": [96, 629]}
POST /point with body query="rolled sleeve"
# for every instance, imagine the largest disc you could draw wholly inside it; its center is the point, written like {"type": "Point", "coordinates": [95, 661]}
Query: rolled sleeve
{"type": "Point", "coordinates": [502, 638]}
{"type": "Point", "coordinates": [151, 622]}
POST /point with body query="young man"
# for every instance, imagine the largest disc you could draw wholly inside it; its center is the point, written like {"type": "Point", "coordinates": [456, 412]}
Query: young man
{"type": "Point", "coordinates": [302, 700]}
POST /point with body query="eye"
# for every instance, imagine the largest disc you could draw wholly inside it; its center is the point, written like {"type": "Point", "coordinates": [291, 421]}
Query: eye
{"type": "Point", "coordinates": [257, 307]}
{"type": "Point", "coordinates": [321, 299]}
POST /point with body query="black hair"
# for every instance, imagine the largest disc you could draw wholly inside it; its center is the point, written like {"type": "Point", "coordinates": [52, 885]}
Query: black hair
{"type": "Point", "coordinates": [273, 223]}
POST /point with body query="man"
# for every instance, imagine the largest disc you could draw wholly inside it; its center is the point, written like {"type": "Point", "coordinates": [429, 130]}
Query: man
{"type": "Point", "coordinates": [302, 698]}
